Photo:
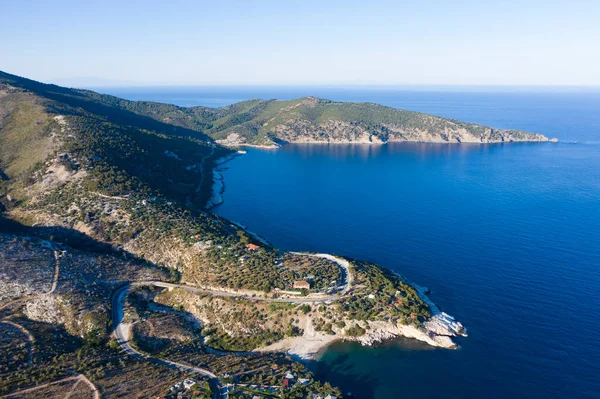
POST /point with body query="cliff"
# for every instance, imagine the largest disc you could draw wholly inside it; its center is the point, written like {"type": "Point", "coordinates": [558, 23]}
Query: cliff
{"type": "Point", "coordinates": [312, 120]}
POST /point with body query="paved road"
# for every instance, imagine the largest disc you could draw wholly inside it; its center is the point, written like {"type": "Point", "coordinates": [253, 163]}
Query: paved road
{"type": "Point", "coordinates": [344, 265]}
{"type": "Point", "coordinates": [122, 330]}
{"type": "Point", "coordinates": [57, 256]}
{"type": "Point", "coordinates": [212, 152]}
{"type": "Point", "coordinates": [234, 295]}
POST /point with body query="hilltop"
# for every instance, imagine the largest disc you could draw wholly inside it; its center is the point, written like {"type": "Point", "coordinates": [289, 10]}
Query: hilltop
{"type": "Point", "coordinates": [304, 120]}
{"type": "Point", "coordinates": [313, 120]}
{"type": "Point", "coordinates": [104, 230]}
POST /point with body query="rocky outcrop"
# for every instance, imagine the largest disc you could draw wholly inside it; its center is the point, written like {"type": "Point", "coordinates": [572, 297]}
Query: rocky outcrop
{"type": "Point", "coordinates": [46, 308]}
{"type": "Point", "coordinates": [333, 131]}
{"type": "Point", "coordinates": [437, 331]}
{"type": "Point", "coordinates": [336, 131]}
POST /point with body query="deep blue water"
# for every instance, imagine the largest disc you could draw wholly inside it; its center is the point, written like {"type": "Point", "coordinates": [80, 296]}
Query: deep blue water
{"type": "Point", "coordinates": [507, 237]}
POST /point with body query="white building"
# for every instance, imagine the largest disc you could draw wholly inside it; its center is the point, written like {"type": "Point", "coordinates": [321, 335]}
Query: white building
{"type": "Point", "coordinates": [188, 383]}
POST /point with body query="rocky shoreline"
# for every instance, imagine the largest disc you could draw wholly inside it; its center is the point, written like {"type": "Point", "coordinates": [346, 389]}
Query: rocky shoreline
{"type": "Point", "coordinates": [438, 331]}
{"type": "Point", "coordinates": [218, 186]}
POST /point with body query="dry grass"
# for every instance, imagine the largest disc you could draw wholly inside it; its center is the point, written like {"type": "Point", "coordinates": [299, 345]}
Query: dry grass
{"type": "Point", "coordinates": [25, 134]}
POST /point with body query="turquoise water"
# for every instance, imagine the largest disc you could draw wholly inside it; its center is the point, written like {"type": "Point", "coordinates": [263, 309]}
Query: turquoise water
{"type": "Point", "coordinates": [507, 237]}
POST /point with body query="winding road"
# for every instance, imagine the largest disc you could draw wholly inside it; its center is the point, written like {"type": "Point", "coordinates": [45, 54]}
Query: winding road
{"type": "Point", "coordinates": [212, 152]}
{"type": "Point", "coordinates": [122, 330]}
{"type": "Point", "coordinates": [342, 263]}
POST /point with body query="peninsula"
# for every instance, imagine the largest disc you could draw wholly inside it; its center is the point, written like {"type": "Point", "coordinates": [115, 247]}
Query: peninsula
{"type": "Point", "coordinates": [113, 269]}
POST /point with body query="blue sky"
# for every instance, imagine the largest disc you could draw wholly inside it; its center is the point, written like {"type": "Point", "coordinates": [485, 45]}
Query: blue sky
{"type": "Point", "coordinates": [287, 42]}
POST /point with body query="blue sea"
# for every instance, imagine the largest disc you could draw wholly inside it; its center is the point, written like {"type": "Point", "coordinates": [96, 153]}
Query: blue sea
{"type": "Point", "coordinates": [506, 236]}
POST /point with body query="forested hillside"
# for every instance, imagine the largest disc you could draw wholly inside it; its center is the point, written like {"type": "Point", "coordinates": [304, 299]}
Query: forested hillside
{"type": "Point", "coordinates": [97, 193]}
{"type": "Point", "coordinates": [274, 122]}
{"type": "Point", "coordinates": [309, 119]}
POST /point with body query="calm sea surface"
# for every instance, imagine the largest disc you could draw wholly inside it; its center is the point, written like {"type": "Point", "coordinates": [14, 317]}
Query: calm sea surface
{"type": "Point", "coordinates": [507, 237]}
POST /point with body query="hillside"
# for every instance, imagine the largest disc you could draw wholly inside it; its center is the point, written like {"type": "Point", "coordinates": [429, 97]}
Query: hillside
{"type": "Point", "coordinates": [313, 120]}
{"type": "Point", "coordinates": [304, 120]}
{"type": "Point", "coordinates": [103, 226]}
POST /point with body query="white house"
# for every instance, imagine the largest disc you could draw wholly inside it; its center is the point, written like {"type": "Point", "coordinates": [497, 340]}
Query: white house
{"type": "Point", "coordinates": [188, 383]}
{"type": "Point", "coordinates": [289, 375]}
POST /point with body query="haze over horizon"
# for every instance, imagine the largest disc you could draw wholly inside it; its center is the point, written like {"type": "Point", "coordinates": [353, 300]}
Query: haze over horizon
{"type": "Point", "coordinates": [526, 43]}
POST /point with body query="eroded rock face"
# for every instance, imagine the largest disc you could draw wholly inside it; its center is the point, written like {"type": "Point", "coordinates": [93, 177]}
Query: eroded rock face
{"type": "Point", "coordinates": [443, 324]}
{"type": "Point", "coordinates": [12, 290]}
{"type": "Point", "coordinates": [46, 308]}
{"type": "Point", "coordinates": [303, 131]}
{"type": "Point", "coordinates": [335, 131]}
{"type": "Point", "coordinates": [437, 331]}
{"type": "Point", "coordinates": [381, 331]}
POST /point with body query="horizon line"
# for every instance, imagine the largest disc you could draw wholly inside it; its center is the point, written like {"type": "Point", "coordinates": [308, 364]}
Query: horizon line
{"type": "Point", "coordinates": [379, 86]}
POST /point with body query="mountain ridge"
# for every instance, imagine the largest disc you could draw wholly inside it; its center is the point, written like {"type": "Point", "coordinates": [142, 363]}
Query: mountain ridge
{"type": "Point", "coordinates": [272, 122]}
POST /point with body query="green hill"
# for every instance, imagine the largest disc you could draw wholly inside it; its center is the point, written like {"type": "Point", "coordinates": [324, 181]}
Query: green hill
{"type": "Point", "coordinates": [121, 150]}
{"type": "Point", "coordinates": [273, 122]}
{"type": "Point", "coordinates": [97, 191]}
{"type": "Point", "coordinates": [82, 164]}
{"type": "Point", "coordinates": [309, 119]}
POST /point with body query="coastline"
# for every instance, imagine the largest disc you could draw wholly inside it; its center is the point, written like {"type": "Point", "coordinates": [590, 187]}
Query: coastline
{"type": "Point", "coordinates": [218, 186]}
{"type": "Point", "coordinates": [276, 146]}
{"type": "Point", "coordinates": [437, 331]}
{"type": "Point", "coordinates": [537, 138]}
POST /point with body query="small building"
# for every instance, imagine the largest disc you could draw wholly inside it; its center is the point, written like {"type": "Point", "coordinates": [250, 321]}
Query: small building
{"type": "Point", "coordinates": [188, 383]}
{"type": "Point", "coordinates": [301, 284]}
{"type": "Point", "coordinates": [252, 247]}
{"type": "Point", "coordinates": [289, 375]}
